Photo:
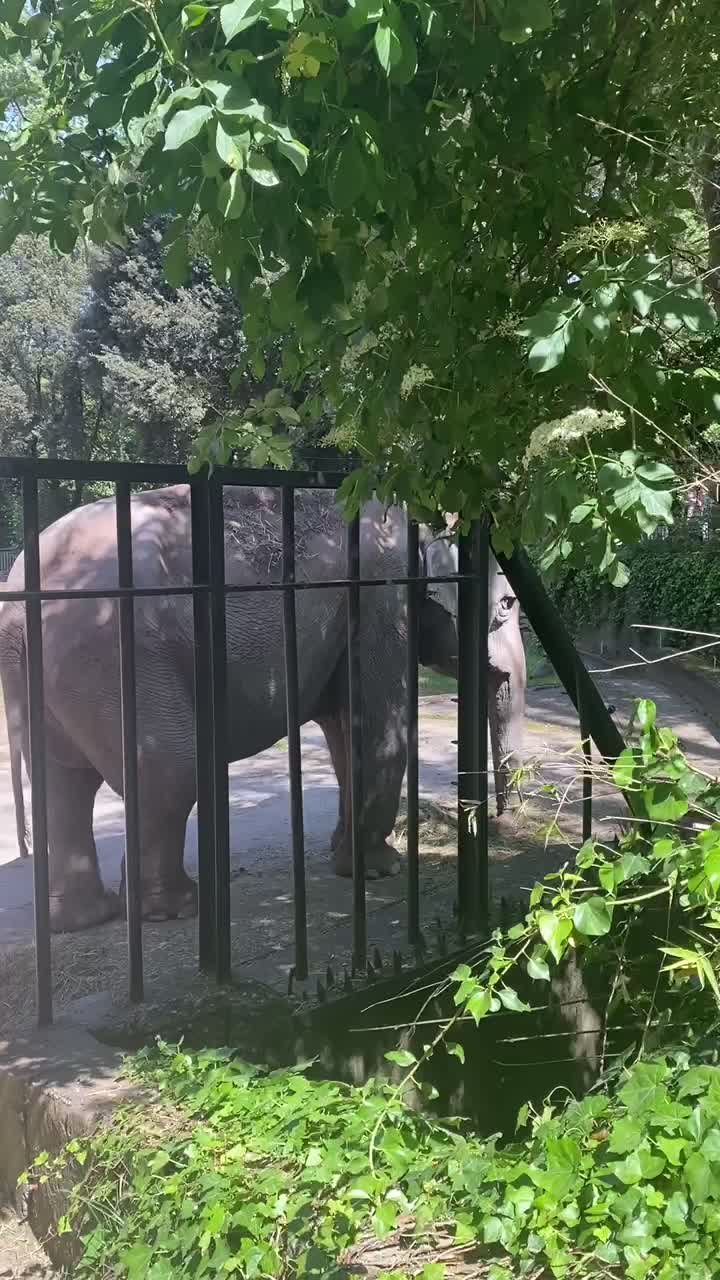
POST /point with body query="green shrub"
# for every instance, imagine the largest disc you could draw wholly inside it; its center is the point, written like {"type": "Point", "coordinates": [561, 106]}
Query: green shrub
{"type": "Point", "coordinates": [671, 585]}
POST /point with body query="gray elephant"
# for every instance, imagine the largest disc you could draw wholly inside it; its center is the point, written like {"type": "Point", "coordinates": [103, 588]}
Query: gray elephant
{"type": "Point", "coordinates": [82, 687]}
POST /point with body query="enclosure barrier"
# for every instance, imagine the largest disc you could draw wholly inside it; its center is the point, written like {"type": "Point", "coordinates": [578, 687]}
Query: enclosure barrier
{"type": "Point", "coordinates": [209, 592]}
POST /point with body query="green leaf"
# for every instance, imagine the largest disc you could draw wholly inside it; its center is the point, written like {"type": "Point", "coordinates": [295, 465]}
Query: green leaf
{"type": "Point", "coordinates": [401, 1057]}
{"type": "Point", "coordinates": [364, 11]}
{"type": "Point", "coordinates": [193, 15]}
{"type": "Point", "coordinates": [106, 111]}
{"type": "Point", "coordinates": [510, 1000]}
{"type": "Point", "coordinates": [596, 322]}
{"type": "Point", "coordinates": [593, 917]}
{"type": "Point", "coordinates": [294, 151]}
{"type": "Point", "coordinates": [261, 170]}
{"type": "Point", "coordinates": [555, 931]}
{"type": "Point", "coordinates": [664, 803]}
{"type": "Point", "coordinates": [456, 1051]}
{"type": "Point", "coordinates": [233, 150]}
{"type": "Point", "coordinates": [238, 15]}
{"type": "Point", "coordinates": [349, 177]}
{"type": "Point", "coordinates": [629, 1170]}
{"type": "Point", "coordinates": [231, 197]}
{"type": "Point", "coordinates": [547, 353]}
{"type": "Point", "coordinates": [186, 125]}
{"type": "Point", "coordinates": [479, 1005]}
{"type": "Point", "coordinates": [538, 968]}
{"type": "Point", "coordinates": [677, 1213]}
{"type": "Point", "coordinates": [698, 1177]}
{"type": "Point", "coordinates": [646, 713]}
{"type": "Point", "coordinates": [394, 45]}
{"type": "Point", "coordinates": [625, 768]}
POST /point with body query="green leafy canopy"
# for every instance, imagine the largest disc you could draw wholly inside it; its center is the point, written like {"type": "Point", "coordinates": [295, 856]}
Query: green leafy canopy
{"type": "Point", "coordinates": [468, 220]}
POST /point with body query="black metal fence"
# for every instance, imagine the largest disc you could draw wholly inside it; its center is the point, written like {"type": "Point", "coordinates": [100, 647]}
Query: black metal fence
{"type": "Point", "coordinates": [209, 592]}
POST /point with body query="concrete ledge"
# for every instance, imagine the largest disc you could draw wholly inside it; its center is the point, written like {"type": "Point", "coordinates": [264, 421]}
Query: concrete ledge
{"type": "Point", "coordinates": [54, 1086]}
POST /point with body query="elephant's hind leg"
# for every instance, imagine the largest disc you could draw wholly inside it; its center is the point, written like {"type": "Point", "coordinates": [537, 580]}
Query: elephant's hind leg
{"type": "Point", "coordinates": [167, 794]}
{"type": "Point", "coordinates": [332, 727]}
{"type": "Point", "coordinates": [78, 898]}
{"type": "Point", "coordinates": [383, 739]}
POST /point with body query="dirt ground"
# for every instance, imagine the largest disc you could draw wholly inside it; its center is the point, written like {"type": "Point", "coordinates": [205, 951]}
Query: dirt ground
{"type": "Point", "coordinates": [524, 845]}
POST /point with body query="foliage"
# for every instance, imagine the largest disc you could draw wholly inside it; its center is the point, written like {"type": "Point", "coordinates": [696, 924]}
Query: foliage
{"type": "Point", "coordinates": [465, 221]}
{"type": "Point", "coordinates": [226, 1169]}
{"type": "Point", "coordinates": [671, 584]}
{"type": "Point", "coordinates": [163, 357]}
{"type": "Point", "coordinates": [233, 1171]}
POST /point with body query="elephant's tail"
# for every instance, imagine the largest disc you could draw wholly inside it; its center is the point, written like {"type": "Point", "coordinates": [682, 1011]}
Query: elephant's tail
{"type": "Point", "coordinates": [15, 692]}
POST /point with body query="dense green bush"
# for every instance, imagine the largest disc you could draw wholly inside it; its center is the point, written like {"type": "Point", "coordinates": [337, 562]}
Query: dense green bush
{"type": "Point", "coordinates": [676, 584]}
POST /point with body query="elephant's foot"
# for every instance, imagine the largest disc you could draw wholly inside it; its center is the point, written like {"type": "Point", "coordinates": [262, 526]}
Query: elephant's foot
{"type": "Point", "coordinates": [178, 901]}
{"type": "Point", "coordinates": [380, 860]}
{"type": "Point", "coordinates": [70, 912]}
{"type": "Point", "coordinates": [163, 900]}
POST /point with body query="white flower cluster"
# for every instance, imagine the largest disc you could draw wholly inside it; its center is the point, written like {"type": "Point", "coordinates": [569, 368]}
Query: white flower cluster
{"type": "Point", "coordinates": [360, 295]}
{"type": "Point", "coordinates": [556, 437]}
{"type": "Point", "coordinates": [417, 375]}
{"type": "Point", "coordinates": [355, 351]}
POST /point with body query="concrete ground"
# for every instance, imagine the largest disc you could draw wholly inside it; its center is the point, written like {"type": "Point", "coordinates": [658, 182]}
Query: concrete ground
{"type": "Point", "coordinates": [262, 899]}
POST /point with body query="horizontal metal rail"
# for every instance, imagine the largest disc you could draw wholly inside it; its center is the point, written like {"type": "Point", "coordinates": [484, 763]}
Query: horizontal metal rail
{"type": "Point", "coordinates": [159, 473]}
{"type": "Point", "coordinates": [240, 588]}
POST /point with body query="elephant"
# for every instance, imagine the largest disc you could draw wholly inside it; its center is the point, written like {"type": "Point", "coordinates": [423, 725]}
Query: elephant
{"type": "Point", "coordinates": [82, 682]}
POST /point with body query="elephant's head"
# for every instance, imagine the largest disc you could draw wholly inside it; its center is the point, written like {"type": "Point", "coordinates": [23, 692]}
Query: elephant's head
{"type": "Point", "coordinates": [438, 613]}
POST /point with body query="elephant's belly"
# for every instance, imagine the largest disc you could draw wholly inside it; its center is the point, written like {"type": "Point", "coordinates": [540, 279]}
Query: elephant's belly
{"type": "Point", "coordinates": [257, 717]}
{"type": "Point", "coordinates": [252, 729]}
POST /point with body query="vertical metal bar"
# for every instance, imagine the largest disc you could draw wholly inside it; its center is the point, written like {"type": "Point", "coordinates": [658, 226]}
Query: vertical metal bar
{"type": "Point", "coordinates": [472, 728]}
{"type": "Point", "coordinates": [218, 665]}
{"type": "Point", "coordinates": [292, 698]}
{"type": "Point", "coordinates": [413, 782]}
{"type": "Point", "coordinates": [36, 724]}
{"type": "Point", "coordinates": [128, 701]}
{"type": "Point", "coordinates": [356, 762]}
{"type": "Point", "coordinates": [587, 770]}
{"type": "Point", "coordinates": [481, 552]}
{"type": "Point", "coordinates": [204, 774]}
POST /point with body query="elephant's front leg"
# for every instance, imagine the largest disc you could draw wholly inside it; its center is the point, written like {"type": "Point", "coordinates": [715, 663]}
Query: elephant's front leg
{"type": "Point", "coordinates": [506, 714]}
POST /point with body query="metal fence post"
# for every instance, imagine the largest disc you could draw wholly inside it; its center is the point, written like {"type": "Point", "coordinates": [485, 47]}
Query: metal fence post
{"type": "Point", "coordinates": [356, 761]}
{"type": "Point", "coordinates": [472, 728]}
{"type": "Point", "coordinates": [37, 762]}
{"type": "Point", "coordinates": [292, 699]}
{"type": "Point", "coordinates": [128, 720]}
{"type": "Point", "coordinates": [204, 770]}
{"type": "Point", "coordinates": [218, 651]}
{"type": "Point", "coordinates": [413, 780]}
{"type": "Point", "coordinates": [587, 782]}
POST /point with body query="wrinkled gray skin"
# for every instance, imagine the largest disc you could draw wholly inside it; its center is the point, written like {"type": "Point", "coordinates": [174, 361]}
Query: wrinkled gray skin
{"type": "Point", "coordinates": [82, 689]}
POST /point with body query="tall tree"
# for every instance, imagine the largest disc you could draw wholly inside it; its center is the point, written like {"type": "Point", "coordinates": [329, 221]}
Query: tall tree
{"type": "Point", "coordinates": [463, 218]}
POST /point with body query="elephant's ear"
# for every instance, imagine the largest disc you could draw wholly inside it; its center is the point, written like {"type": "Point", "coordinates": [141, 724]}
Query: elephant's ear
{"type": "Point", "coordinates": [441, 559]}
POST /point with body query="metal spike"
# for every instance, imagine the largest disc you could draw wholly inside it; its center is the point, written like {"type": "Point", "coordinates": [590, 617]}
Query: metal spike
{"type": "Point", "coordinates": [321, 993]}
{"type": "Point", "coordinates": [347, 983]}
{"type": "Point", "coordinates": [370, 972]}
{"type": "Point", "coordinates": [377, 958]}
{"type": "Point", "coordinates": [329, 977]}
{"type": "Point", "coordinates": [291, 980]}
{"type": "Point", "coordinates": [397, 961]}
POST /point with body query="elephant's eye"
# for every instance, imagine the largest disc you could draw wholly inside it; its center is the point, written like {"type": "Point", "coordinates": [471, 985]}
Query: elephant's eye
{"type": "Point", "coordinates": [507, 603]}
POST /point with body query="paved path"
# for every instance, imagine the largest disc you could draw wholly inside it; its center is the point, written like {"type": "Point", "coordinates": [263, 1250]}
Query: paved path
{"type": "Point", "coordinates": [259, 818]}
